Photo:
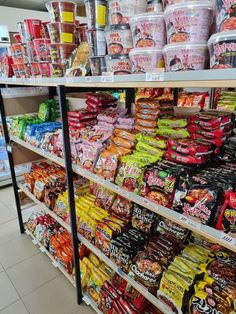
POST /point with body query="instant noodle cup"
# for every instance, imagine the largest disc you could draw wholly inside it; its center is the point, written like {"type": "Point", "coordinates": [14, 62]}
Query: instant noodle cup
{"type": "Point", "coordinates": [62, 11]}
{"type": "Point", "coordinates": [24, 70]}
{"type": "Point", "coordinates": [120, 11]}
{"type": "Point", "coordinates": [22, 31]}
{"type": "Point", "coordinates": [225, 15]}
{"type": "Point", "coordinates": [82, 32]}
{"type": "Point", "coordinates": [118, 64]}
{"type": "Point", "coordinates": [97, 65]}
{"type": "Point", "coordinates": [222, 48]}
{"type": "Point", "coordinates": [35, 69]}
{"type": "Point", "coordinates": [186, 56]}
{"type": "Point", "coordinates": [33, 29]}
{"type": "Point", "coordinates": [58, 70]}
{"type": "Point", "coordinates": [17, 38]}
{"type": "Point", "coordinates": [188, 21]}
{"type": "Point", "coordinates": [97, 42]}
{"type": "Point", "coordinates": [96, 12]}
{"type": "Point", "coordinates": [31, 52]}
{"type": "Point", "coordinates": [61, 33]}
{"type": "Point", "coordinates": [154, 6]}
{"type": "Point", "coordinates": [171, 2]}
{"type": "Point", "coordinates": [41, 47]}
{"type": "Point", "coordinates": [60, 53]}
{"type": "Point", "coordinates": [45, 33]}
{"type": "Point", "coordinates": [45, 69]}
{"type": "Point", "coordinates": [119, 39]}
{"type": "Point", "coordinates": [148, 30]}
{"type": "Point", "coordinates": [15, 70]}
{"type": "Point", "coordinates": [146, 60]}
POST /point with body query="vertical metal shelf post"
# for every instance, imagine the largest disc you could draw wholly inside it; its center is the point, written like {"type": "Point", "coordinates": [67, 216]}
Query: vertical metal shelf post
{"type": "Point", "coordinates": [11, 162]}
{"type": "Point", "coordinates": [70, 186]}
{"type": "Point", "coordinates": [129, 98]}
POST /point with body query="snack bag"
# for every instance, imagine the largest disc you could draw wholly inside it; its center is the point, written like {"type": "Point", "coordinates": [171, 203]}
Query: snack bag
{"type": "Point", "coordinates": [154, 142]}
{"type": "Point", "coordinates": [143, 219]}
{"type": "Point", "coordinates": [173, 133]}
{"type": "Point", "coordinates": [172, 123]}
{"type": "Point", "coordinates": [122, 207]}
{"type": "Point", "coordinates": [166, 226]}
{"type": "Point", "coordinates": [106, 165]}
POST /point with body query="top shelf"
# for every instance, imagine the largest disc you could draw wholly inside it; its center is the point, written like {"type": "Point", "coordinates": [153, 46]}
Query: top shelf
{"type": "Point", "coordinates": [203, 78]}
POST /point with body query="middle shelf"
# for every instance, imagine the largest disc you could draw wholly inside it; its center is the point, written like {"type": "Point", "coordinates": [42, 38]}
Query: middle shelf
{"type": "Point", "coordinates": [210, 233]}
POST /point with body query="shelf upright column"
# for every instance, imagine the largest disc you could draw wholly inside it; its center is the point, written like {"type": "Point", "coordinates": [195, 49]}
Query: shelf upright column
{"type": "Point", "coordinates": [129, 98]}
{"type": "Point", "coordinates": [70, 186]}
{"type": "Point", "coordinates": [11, 162]}
{"type": "Point", "coordinates": [176, 95]}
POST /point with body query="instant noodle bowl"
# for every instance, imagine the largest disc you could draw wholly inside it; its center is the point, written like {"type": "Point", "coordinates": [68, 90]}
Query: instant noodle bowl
{"type": "Point", "coordinates": [35, 69]}
{"type": "Point", "coordinates": [97, 42]}
{"type": "Point", "coordinates": [148, 30]}
{"type": "Point", "coordinates": [96, 12]}
{"type": "Point", "coordinates": [58, 70]}
{"type": "Point", "coordinates": [45, 69]}
{"type": "Point", "coordinates": [185, 56]}
{"type": "Point", "coordinates": [21, 30]}
{"type": "Point", "coordinates": [119, 39]}
{"type": "Point", "coordinates": [97, 65]}
{"type": "Point", "coordinates": [120, 11]}
{"type": "Point", "coordinates": [171, 2]}
{"type": "Point", "coordinates": [64, 12]}
{"type": "Point", "coordinates": [118, 64]}
{"type": "Point", "coordinates": [61, 33]}
{"type": "Point", "coordinates": [225, 15]}
{"type": "Point", "coordinates": [15, 70]}
{"type": "Point", "coordinates": [24, 70]}
{"type": "Point", "coordinates": [154, 6]}
{"type": "Point", "coordinates": [41, 47]}
{"type": "Point", "coordinates": [146, 60]}
{"type": "Point", "coordinates": [81, 32]}
{"type": "Point", "coordinates": [60, 53]}
{"type": "Point", "coordinates": [32, 56]}
{"type": "Point", "coordinates": [45, 33]}
{"type": "Point", "coordinates": [33, 29]}
{"type": "Point", "coordinates": [222, 48]}
{"type": "Point", "coordinates": [188, 21]}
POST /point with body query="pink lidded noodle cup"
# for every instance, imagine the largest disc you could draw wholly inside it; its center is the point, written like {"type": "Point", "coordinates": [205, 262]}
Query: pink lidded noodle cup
{"type": "Point", "coordinates": [188, 21]}
{"type": "Point", "coordinates": [41, 47]}
{"type": "Point", "coordinates": [186, 56]}
{"type": "Point", "coordinates": [61, 33]}
{"type": "Point", "coordinates": [33, 29]}
{"type": "Point", "coordinates": [146, 60]}
{"type": "Point", "coordinates": [120, 11]}
{"type": "Point", "coordinates": [64, 12]}
{"type": "Point", "coordinates": [225, 15]}
{"type": "Point", "coordinates": [60, 53]}
{"type": "Point", "coordinates": [119, 39]}
{"type": "Point", "coordinates": [45, 69]}
{"type": "Point", "coordinates": [154, 6]}
{"type": "Point", "coordinates": [118, 64]}
{"type": "Point", "coordinates": [148, 30]}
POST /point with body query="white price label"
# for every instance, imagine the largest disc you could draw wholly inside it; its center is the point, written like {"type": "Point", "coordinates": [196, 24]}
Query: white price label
{"type": "Point", "coordinates": [88, 79]}
{"type": "Point", "coordinates": [55, 264]}
{"type": "Point", "coordinates": [35, 242]}
{"type": "Point", "coordinates": [69, 79]}
{"type": "Point", "coordinates": [107, 77]}
{"type": "Point", "coordinates": [147, 202]}
{"type": "Point", "coordinates": [42, 249]}
{"type": "Point", "coordinates": [227, 239]}
{"type": "Point", "coordinates": [86, 300]}
{"type": "Point", "coordinates": [9, 148]}
{"type": "Point", "coordinates": [183, 219]}
{"type": "Point", "coordinates": [38, 80]}
{"type": "Point", "coordinates": [120, 272]}
{"type": "Point", "coordinates": [194, 224]}
{"type": "Point", "coordinates": [27, 232]}
{"type": "Point", "coordinates": [155, 76]}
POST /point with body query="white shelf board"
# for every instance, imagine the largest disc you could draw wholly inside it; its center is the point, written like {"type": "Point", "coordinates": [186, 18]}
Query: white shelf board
{"type": "Point", "coordinates": [209, 233]}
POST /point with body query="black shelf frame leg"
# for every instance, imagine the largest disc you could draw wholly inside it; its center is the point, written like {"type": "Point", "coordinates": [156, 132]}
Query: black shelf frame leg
{"type": "Point", "coordinates": [69, 176]}
{"type": "Point", "coordinates": [129, 98]}
{"type": "Point", "coordinates": [11, 162]}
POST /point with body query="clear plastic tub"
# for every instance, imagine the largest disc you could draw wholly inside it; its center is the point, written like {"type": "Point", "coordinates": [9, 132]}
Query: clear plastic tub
{"type": "Point", "coordinates": [146, 60]}
{"type": "Point", "coordinates": [62, 33]}
{"type": "Point", "coordinates": [225, 15]}
{"type": "Point", "coordinates": [64, 12]}
{"type": "Point", "coordinates": [186, 56]}
{"type": "Point", "coordinates": [97, 65]}
{"type": "Point", "coordinates": [120, 11]}
{"type": "Point", "coordinates": [222, 48]}
{"type": "Point", "coordinates": [188, 21]}
{"type": "Point", "coordinates": [96, 12]}
{"type": "Point", "coordinates": [97, 42]}
{"type": "Point", "coordinates": [118, 64]}
{"type": "Point", "coordinates": [119, 39]}
{"type": "Point", "coordinates": [148, 30]}
{"type": "Point", "coordinates": [60, 53]}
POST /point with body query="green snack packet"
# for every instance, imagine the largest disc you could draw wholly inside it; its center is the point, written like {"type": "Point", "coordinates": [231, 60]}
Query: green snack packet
{"type": "Point", "coordinates": [172, 123]}
{"type": "Point", "coordinates": [143, 147]}
{"type": "Point", "coordinates": [173, 133]}
{"type": "Point", "coordinates": [145, 158]}
{"type": "Point", "coordinates": [151, 141]}
{"type": "Point", "coordinates": [44, 111]}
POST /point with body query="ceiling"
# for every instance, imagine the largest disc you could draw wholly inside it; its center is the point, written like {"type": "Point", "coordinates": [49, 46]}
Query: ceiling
{"type": "Point", "coordinates": [38, 5]}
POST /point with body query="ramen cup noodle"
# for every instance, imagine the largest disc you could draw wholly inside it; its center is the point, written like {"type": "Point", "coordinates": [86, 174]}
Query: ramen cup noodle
{"type": "Point", "coordinates": [225, 15]}
{"type": "Point", "coordinates": [185, 56]}
{"type": "Point", "coordinates": [148, 30]}
{"type": "Point", "coordinates": [146, 60]}
{"type": "Point", "coordinates": [188, 21]}
{"type": "Point", "coordinates": [118, 64]}
{"type": "Point", "coordinates": [119, 39]}
{"type": "Point", "coordinates": [222, 48]}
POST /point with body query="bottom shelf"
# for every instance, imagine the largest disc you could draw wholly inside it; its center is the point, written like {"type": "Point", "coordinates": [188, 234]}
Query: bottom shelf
{"type": "Point", "coordinates": [86, 298]}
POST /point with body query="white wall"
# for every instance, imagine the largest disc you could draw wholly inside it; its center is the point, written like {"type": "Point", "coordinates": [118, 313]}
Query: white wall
{"type": "Point", "coordinates": [10, 16]}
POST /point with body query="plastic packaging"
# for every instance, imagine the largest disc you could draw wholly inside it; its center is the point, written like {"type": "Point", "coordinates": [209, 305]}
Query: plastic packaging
{"type": "Point", "coordinates": [118, 64]}
{"type": "Point", "coordinates": [225, 15]}
{"type": "Point", "coordinates": [119, 39]}
{"type": "Point", "coordinates": [60, 53]}
{"type": "Point", "coordinates": [97, 42]}
{"type": "Point", "coordinates": [96, 12]}
{"type": "Point", "coordinates": [61, 33]}
{"type": "Point", "coordinates": [64, 12]}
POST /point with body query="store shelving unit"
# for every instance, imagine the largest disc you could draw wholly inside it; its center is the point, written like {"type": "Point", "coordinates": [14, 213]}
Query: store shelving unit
{"type": "Point", "coordinates": [206, 78]}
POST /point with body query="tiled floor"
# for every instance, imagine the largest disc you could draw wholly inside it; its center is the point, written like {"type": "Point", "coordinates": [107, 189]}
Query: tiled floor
{"type": "Point", "coordinates": [28, 281]}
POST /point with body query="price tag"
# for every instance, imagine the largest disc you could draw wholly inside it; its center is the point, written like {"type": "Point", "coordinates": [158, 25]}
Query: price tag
{"type": "Point", "coordinates": [9, 148]}
{"type": "Point", "coordinates": [86, 300]}
{"type": "Point", "coordinates": [183, 219]}
{"type": "Point", "coordinates": [42, 249]}
{"type": "Point", "coordinates": [38, 80]}
{"type": "Point", "coordinates": [155, 76]}
{"type": "Point", "coordinates": [227, 239]}
{"type": "Point", "coordinates": [147, 202]}
{"type": "Point", "coordinates": [88, 79]}
{"type": "Point", "coordinates": [27, 232]}
{"type": "Point", "coordinates": [69, 80]}
{"type": "Point", "coordinates": [120, 272]}
{"type": "Point", "coordinates": [35, 242]}
{"type": "Point", "coordinates": [55, 264]}
{"type": "Point", "coordinates": [194, 224]}
{"type": "Point", "coordinates": [107, 77]}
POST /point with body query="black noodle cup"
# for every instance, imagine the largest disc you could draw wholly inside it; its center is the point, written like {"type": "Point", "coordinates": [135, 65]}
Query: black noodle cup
{"type": "Point", "coordinates": [97, 42]}
{"type": "Point", "coordinates": [118, 64]}
{"type": "Point", "coordinates": [96, 12]}
{"type": "Point", "coordinates": [97, 65]}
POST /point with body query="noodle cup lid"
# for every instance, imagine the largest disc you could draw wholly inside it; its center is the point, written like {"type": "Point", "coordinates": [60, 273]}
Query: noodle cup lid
{"type": "Point", "coordinates": [145, 51]}
{"type": "Point", "coordinates": [227, 35]}
{"type": "Point", "coordinates": [185, 45]}
{"type": "Point", "coordinates": [147, 16]}
{"type": "Point", "coordinates": [190, 4]}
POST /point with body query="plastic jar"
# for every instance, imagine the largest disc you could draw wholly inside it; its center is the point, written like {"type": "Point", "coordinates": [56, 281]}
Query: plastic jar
{"type": "Point", "coordinates": [64, 12]}
{"type": "Point", "coordinates": [118, 64]}
{"type": "Point", "coordinates": [96, 12]}
{"type": "Point", "coordinates": [120, 11]}
{"type": "Point", "coordinates": [225, 15]}
{"type": "Point", "coordinates": [146, 60]}
{"type": "Point", "coordinates": [188, 21]}
{"type": "Point", "coordinates": [222, 48]}
{"type": "Point", "coordinates": [119, 39]}
{"type": "Point", "coordinates": [185, 56]}
{"type": "Point", "coordinates": [148, 30]}
{"type": "Point", "coordinates": [97, 42]}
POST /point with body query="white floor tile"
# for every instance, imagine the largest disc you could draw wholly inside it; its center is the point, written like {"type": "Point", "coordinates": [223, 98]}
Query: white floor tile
{"type": "Point", "coordinates": [32, 273]}
{"type": "Point", "coordinates": [6, 214]}
{"type": "Point", "coordinates": [15, 308]}
{"type": "Point", "coordinates": [7, 196]}
{"type": "Point", "coordinates": [9, 230]}
{"type": "Point", "coordinates": [8, 293]}
{"type": "Point", "coordinates": [1, 268]}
